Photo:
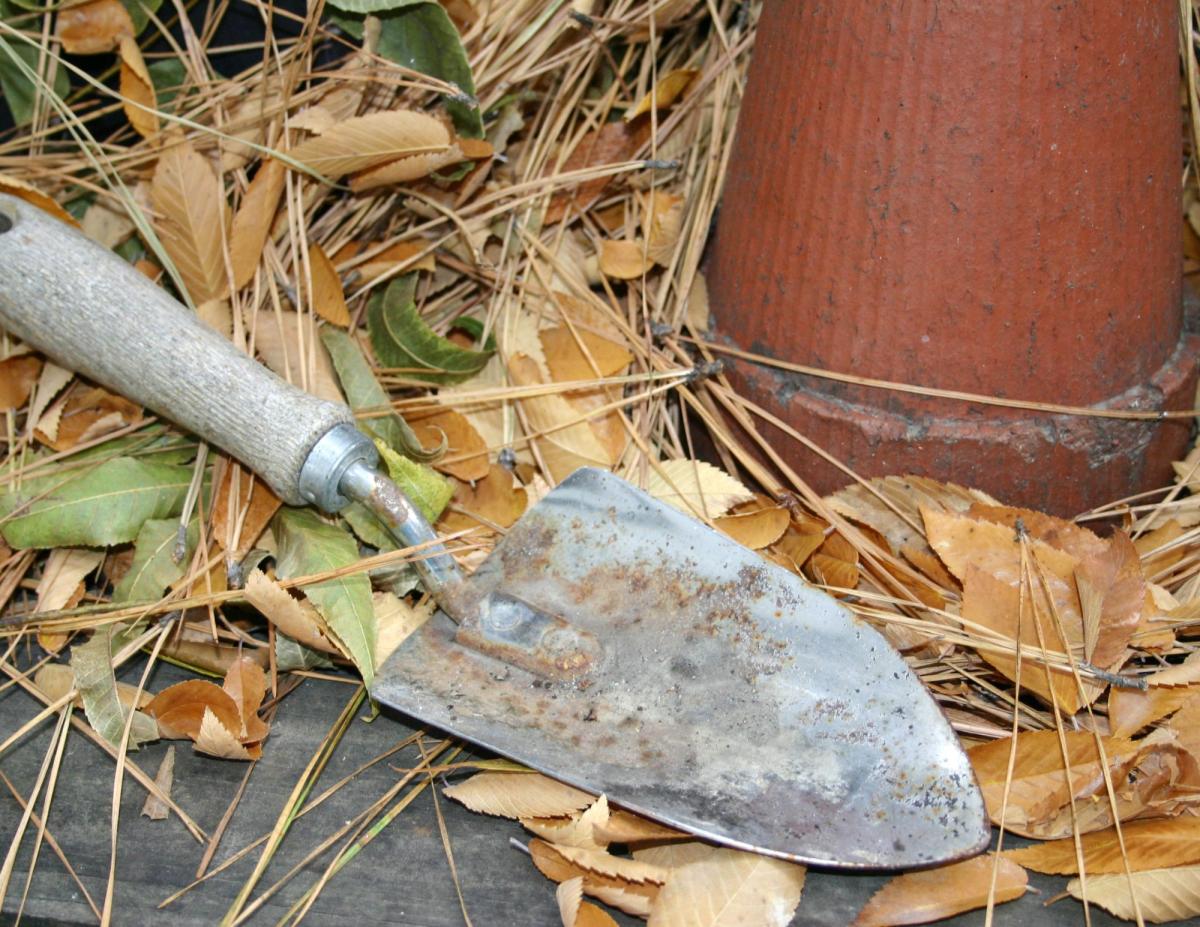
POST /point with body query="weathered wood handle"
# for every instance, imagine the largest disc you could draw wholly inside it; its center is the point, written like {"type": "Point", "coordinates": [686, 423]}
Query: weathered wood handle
{"type": "Point", "coordinates": [92, 312]}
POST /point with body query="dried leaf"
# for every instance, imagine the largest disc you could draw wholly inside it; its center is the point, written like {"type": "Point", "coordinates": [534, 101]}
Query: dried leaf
{"type": "Point", "coordinates": [579, 830]}
{"type": "Point", "coordinates": [246, 684]}
{"type": "Point", "coordinates": [564, 442]}
{"type": "Point", "coordinates": [1148, 845]}
{"type": "Point", "coordinates": [662, 226]}
{"type": "Point", "coordinates": [1155, 562]}
{"type": "Point", "coordinates": [667, 90]}
{"type": "Point", "coordinates": [327, 298]}
{"type": "Point", "coordinates": [934, 894]}
{"type": "Point", "coordinates": [62, 576]}
{"type": "Point", "coordinates": [216, 739]}
{"type": "Point", "coordinates": [673, 856]}
{"type": "Point", "coordinates": [614, 867]}
{"type": "Point", "coordinates": [574, 911]}
{"type": "Point", "coordinates": [287, 341]}
{"type": "Point", "coordinates": [466, 454]}
{"type": "Point", "coordinates": [567, 362]}
{"type": "Point", "coordinates": [518, 795]}
{"type": "Point", "coordinates": [631, 897]}
{"type": "Point", "coordinates": [154, 807]}
{"type": "Point", "coordinates": [611, 143]}
{"type": "Point", "coordinates": [496, 499]}
{"type": "Point", "coordinates": [1130, 710]}
{"type": "Point", "coordinates": [628, 828]}
{"type": "Point", "coordinates": [624, 259]}
{"type": "Point", "coordinates": [694, 486]}
{"type": "Point", "coordinates": [363, 142]}
{"type": "Point", "coordinates": [137, 90]}
{"type": "Point", "coordinates": [57, 679]}
{"type": "Point", "coordinates": [755, 524]}
{"type": "Point", "coordinates": [309, 545]}
{"type": "Point", "coordinates": [729, 889]}
{"type": "Point", "coordinates": [191, 219]}
{"type": "Point", "coordinates": [253, 220]}
{"type": "Point", "coordinates": [400, 256]}
{"type": "Point", "coordinates": [31, 194]}
{"type": "Point", "coordinates": [395, 620]}
{"type": "Point", "coordinates": [92, 28]}
{"type": "Point", "coordinates": [97, 685]}
{"type": "Point", "coordinates": [404, 170]}
{"type": "Point", "coordinates": [242, 508]}
{"type": "Point", "coordinates": [180, 709]}
{"type": "Point", "coordinates": [1163, 895]}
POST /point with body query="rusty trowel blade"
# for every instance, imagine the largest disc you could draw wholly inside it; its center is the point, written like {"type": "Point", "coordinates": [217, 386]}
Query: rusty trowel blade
{"type": "Point", "coordinates": [732, 700]}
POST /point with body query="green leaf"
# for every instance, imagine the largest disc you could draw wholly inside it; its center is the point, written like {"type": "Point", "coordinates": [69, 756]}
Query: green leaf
{"type": "Point", "coordinates": [428, 490]}
{"type": "Point", "coordinates": [95, 507]}
{"type": "Point", "coordinates": [400, 338]}
{"type": "Point", "coordinates": [363, 392]}
{"type": "Point", "coordinates": [367, 527]}
{"type": "Point", "coordinates": [168, 76]}
{"type": "Point", "coordinates": [309, 545]}
{"type": "Point", "coordinates": [139, 12]}
{"type": "Point", "coordinates": [422, 37]}
{"type": "Point", "coordinates": [18, 88]}
{"type": "Point", "coordinates": [154, 567]}
{"type": "Point", "coordinates": [291, 655]}
{"type": "Point", "coordinates": [373, 6]}
{"type": "Point", "coordinates": [97, 685]}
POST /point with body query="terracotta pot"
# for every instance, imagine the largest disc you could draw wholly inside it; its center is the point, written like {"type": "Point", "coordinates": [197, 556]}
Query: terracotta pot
{"type": "Point", "coordinates": [974, 196]}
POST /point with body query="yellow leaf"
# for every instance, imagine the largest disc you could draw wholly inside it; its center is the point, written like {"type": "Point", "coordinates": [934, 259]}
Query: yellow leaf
{"type": "Point", "coordinates": [580, 830]}
{"type": "Point", "coordinates": [675, 855]}
{"type": "Point", "coordinates": [934, 894]}
{"type": "Point", "coordinates": [62, 577]}
{"type": "Point", "coordinates": [395, 620]}
{"type": "Point", "coordinates": [31, 194]}
{"type": "Point", "coordinates": [92, 28]}
{"type": "Point", "coordinates": [628, 828]}
{"type": "Point", "coordinates": [138, 91]}
{"type": "Point", "coordinates": [191, 211]}
{"type": "Point", "coordinates": [18, 374]}
{"type": "Point", "coordinates": [614, 867]}
{"type": "Point", "coordinates": [662, 224]}
{"type": "Point", "coordinates": [565, 443]}
{"type": "Point", "coordinates": [518, 795]}
{"type": "Point", "coordinates": [253, 221]}
{"type": "Point", "coordinates": [631, 897]}
{"type": "Point", "coordinates": [1148, 845]}
{"type": "Point", "coordinates": [327, 298]}
{"type": "Point", "coordinates": [669, 88]}
{"type": "Point", "coordinates": [695, 487]}
{"type": "Point", "coordinates": [1163, 895]}
{"type": "Point", "coordinates": [404, 170]}
{"type": "Point", "coordinates": [755, 524]}
{"type": "Point", "coordinates": [624, 259]}
{"type": "Point", "coordinates": [363, 142]}
{"type": "Point", "coordinates": [729, 889]}
{"type": "Point", "coordinates": [294, 617]}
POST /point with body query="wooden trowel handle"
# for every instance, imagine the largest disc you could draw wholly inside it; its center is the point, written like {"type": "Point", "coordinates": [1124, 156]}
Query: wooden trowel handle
{"type": "Point", "coordinates": [91, 311]}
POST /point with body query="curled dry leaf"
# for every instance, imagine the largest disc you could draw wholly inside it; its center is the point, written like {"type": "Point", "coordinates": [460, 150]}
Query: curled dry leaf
{"type": "Point", "coordinates": [932, 894]}
{"type": "Point", "coordinates": [579, 830]}
{"type": "Point", "coordinates": [363, 142]}
{"type": "Point", "coordinates": [628, 828]}
{"type": "Point", "coordinates": [401, 256]}
{"type": "Point", "coordinates": [18, 374]}
{"type": "Point", "coordinates": [179, 709]}
{"type": "Point", "coordinates": [31, 194]}
{"type": "Point", "coordinates": [835, 563]}
{"type": "Point", "coordinates": [215, 739]}
{"type": "Point", "coordinates": [574, 911]}
{"type": "Point", "coordinates": [92, 28]}
{"type": "Point", "coordinates": [246, 684]}
{"type": "Point", "coordinates": [631, 897]}
{"type": "Point", "coordinates": [518, 795]}
{"type": "Point", "coordinates": [727, 889]}
{"type": "Point", "coordinates": [253, 220]}
{"type": "Point", "coordinates": [139, 99]}
{"type": "Point", "coordinates": [154, 807]}
{"type": "Point", "coordinates": [624, 259]}
{"type": "Point", "coordinates": [1163, 895]}
{"type": "Point", "coordinates": [1148, 845]}
{"type": "Point", "coordinates": [466, 454]}
{"type": "Point", "coordinates": [294, 617]}
{"type": "Point", "coordinates": [61, 584]}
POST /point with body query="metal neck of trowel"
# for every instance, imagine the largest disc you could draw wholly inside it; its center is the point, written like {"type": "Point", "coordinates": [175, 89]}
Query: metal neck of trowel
{"type": "Point", "coordinates": [342, 467]}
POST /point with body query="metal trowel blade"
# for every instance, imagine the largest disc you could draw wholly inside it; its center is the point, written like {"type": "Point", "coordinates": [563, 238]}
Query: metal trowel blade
{"type": "Point", "coordinates": [732, 700]}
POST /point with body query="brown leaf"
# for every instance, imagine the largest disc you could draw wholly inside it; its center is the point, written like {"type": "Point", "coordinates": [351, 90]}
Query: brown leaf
{"type": "Point", "coordinates": [662, 225]}
{"type": "Point", "coordinates": [1130, 710]}
{"type": "Point", "coordinates": [1153, 562]}
{"type": "Point", "coordinates": [61, 584]}
{"type": "Point", "coordinates": [624, 259]}
{"type": "Point", "coordinates": [631, 897]}
{"type": "Point", "coordinates": [612, 143]}
{"type": "Point", "coordinates": [518, 795]}
{"type": "Point", "coordinates": [179, 709]}
{"type": "Point", "coordinates": [328, 300]}
{"type": "Point", "coordinates": [1148, 845]}
{"type": "Point", "coordinates": [934, 894]}
{"type": "Point", "coordinates": [405, 170]}
{"type": "Point", "coordinates": [289, 345]}
{"type": "Point", "coordinates": [392, 258]}
{"type": "Point", "coordinates": [215, 738]}
{"type": "Point", "coordinates": [18, 374]}
{"type": "Point", "coordinates": [797, 545]}
{"type": "Point", "coordinates": [154, 807]}
{"type": "Point", "coordinates": [755, 524]}
{"type": "Point", "coordinates": [496, 499]}
{"type": "Point", "coordinates": [86, 412]}
{"type": "Point", "coordinates": [1163, 895]}
{"type": "Point", "coordinates": [242, 508]}
{"type": "Point", "coordinates": [567, 361]}
{"type": "Point", "coordinates": [57, 679]}
{"type": "Point", "coordinates": [190, 204]}
{"type": "Point", "coordinates": [835, 563]}
{"type": "Point", "coordinates": [138, 91]}
{"type": "Point", "coordinates": [294, 617]}
{"type": "Point", "coordinates": [675, 855]}
{"type": "Point", "coordinates": [579, 830]}
{"type": "Point", "coordinates": [466, 453]}
{"type": "Point", "coordinates": [667, 90]}
{"type": "Point", "coordinates": [728, 889]}
{"type": "Point", "coordinates": [628, 828]}
{"type": "Point", "coordinates": [254, 218]}
{"type": "Point", "coordinates": [603, 863]}
{"type": "Point", "coordinates": [574, 911]}
{"type": "Point", "coordinates": [92, 28]}
{"type": "Point", "coordinates": [363, 142]}
{"type": "Point", "coordinates": [565, 444]}
{"type": "Point", "coordinates": [246, 684]}
{"type": "Point", "coordinates": [31, 194]}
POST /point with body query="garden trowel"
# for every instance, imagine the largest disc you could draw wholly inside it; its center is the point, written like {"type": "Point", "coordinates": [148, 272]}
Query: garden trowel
{"type": "Point", "coordinates": [608, 641]}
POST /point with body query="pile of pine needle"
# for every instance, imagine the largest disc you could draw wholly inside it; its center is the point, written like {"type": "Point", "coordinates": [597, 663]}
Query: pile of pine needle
{"type": "Point", "coordinates": [481, 225]}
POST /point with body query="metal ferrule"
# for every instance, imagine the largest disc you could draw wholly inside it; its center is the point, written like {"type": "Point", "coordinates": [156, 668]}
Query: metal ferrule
{"type": "Point", "coordinates": [335, 452]}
